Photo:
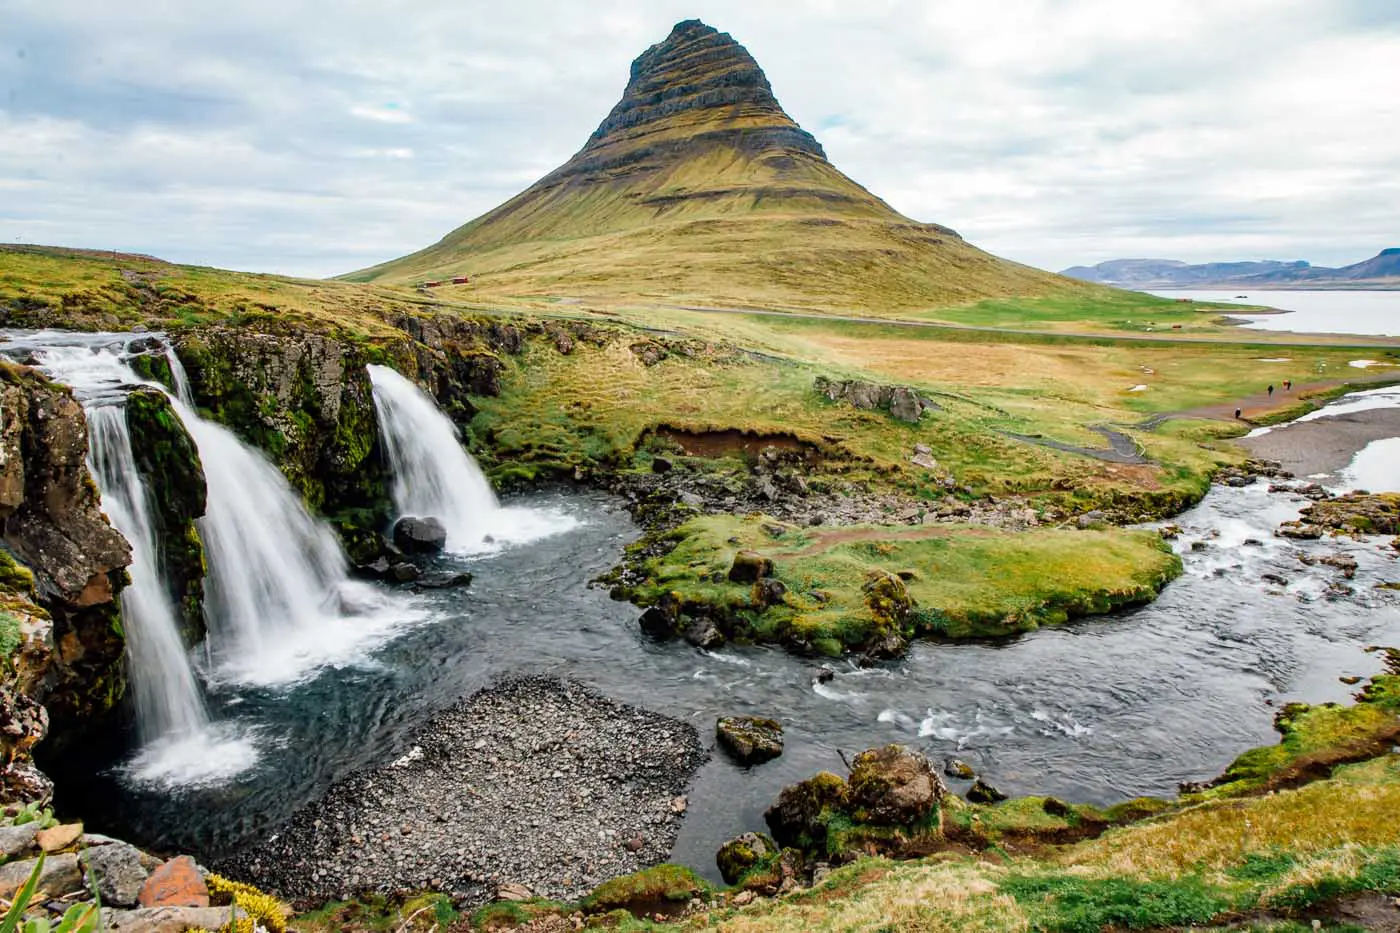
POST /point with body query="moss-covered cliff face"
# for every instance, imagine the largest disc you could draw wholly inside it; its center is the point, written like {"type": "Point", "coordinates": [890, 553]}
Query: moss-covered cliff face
{"type": "Point", "coordinates": [169, 463]}
{"type": "Point", "coordinates": [51, 522]}
{"type": "Point", "coordinates": [303, 399]}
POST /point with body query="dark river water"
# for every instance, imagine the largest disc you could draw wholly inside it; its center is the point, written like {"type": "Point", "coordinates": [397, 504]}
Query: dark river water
{"type": "Point", "coordinates": [1096, 711]}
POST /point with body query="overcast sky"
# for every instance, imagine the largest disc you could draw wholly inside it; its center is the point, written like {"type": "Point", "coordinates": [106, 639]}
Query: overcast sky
{"type": "Point", "coordinates": [313, 138]}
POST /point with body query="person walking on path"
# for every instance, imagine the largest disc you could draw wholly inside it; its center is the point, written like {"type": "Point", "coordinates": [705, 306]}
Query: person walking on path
{"type": "Point", "coordinates": [1271, 391]}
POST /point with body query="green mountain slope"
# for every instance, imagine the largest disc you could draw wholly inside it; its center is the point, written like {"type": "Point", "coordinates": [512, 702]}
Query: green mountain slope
{"type": "Point", "coordinates": [698, 187]}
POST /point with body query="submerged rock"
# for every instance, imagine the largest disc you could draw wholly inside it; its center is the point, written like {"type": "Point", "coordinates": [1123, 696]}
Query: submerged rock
{"type": "Point", "coordinates": [750, 740]}
{"type": "Point", "coordinates": [957, 768]}
{"type": "Point", "coordinates": [420, 535]}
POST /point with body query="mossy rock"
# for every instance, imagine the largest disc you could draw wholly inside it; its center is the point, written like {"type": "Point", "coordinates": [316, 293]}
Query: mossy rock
{"type": "Point", "coordinates": [746, 855]}
{"type": "Point", "coordinates": [894, 786]}
{"type": "Point", "coordinates": [169, 463]}
{"type": "Point", "coordinates": [751, 740]}
{"type": "Point", "coordinates": [665, 889]}
{"type": "Point", "coordinates": [799, 819]}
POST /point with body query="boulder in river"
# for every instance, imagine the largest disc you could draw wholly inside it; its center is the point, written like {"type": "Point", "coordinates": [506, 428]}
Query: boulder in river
{"type": "Point", "coordinates": [420, 535]}
{"type": "Point", "coordinates": [957, 768]}
{"type": "Point", "coordinates": [750, 740]}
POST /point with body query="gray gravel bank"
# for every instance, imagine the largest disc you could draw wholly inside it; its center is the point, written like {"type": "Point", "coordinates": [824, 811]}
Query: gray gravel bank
{"type": "Point", "coordinates": [534, 781]}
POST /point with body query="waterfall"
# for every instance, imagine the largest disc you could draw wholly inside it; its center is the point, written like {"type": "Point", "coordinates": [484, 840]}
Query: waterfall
{"type": "Point", "coordinates": [433, 475]}
{"type": "Point", "coordinates": [168, 701]}
{"type": "Point", "coordinates": [272, 567]}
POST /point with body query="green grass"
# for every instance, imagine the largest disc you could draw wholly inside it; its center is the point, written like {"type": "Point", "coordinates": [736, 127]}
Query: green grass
{"type": "Point", "coordinates": [965, 581]}
{"type": "Point", "coordinates": [1069, 904]}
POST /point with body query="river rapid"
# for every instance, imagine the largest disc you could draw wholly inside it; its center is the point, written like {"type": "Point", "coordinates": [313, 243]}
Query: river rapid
{"type": "Point", "coordinates": [1097, 711]}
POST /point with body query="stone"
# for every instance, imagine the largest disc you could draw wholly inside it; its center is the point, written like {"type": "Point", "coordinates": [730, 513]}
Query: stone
{"type": "Point", "coordinates": [118, 871]}
{"type": "Point", "coordinates": [377, 569]}
{"type": "Point", "coordinates": [1274, 578]}
{"type": "Point", "coordinates": [661, 465]}
{"type": "Point", "coordinates": [982, 792]}
{"type": "Point", "coordinates": [658, 623]}
{"type": "Point", "coordinates": [824, 675]}
{"type": "Point", "coordinates": [905, 405]}
{"type": "Point", "coordinates": [57, 838]}
{"type": "Point", "coordinates": [750, 740]}
{"type": "Point", "coordinates": [513, 892]}
{"type": "Point", "coordinates": [60, 876]}
{"type": "Point", "coordinates": [703, 633]}
{"type": "Point", "coordinates": [895, 786]}
{"type": "Point", "coordinates": [420, 535]}
{"type": "Point", "coordinates": [404, 572]}
{"type": "Point", "coordinates": [768, 592]}
{"type": "Point", "coordinates": [1091, 518]}
{"type": "Point", "coordinates": [16, 840]}
{"type": "Point", "coordinates": [1054, 806]}
{"type": "Point", "coordinates": [444, 581]}
{"type": "Point", "coordinates": [739, 856]}
{"type": "Point", "coordinates": [799, 817]}
{"type": "Point", "coordinates": [176, 883]}
{"type": "Point", "coordinates": [169, 919]}
{"type": "Point", "coordinates": [957, 768]}
{"type": "Point", "coordinates": [750, 567]}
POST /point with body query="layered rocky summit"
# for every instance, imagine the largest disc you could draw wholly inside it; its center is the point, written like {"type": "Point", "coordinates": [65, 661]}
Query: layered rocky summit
{"type": "Point", "coordinates": [698, 185]}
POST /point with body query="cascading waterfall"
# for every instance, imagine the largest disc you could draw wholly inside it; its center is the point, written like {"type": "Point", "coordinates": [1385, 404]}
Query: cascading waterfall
{"type": "Point", "coordinates": [179, 744]}
{"type": "Point", "coordinates": [435, 477]}
{"type": "Point", "coordinates": [168, 701]}
{"type": "Point", "coordinates": [279, 605]}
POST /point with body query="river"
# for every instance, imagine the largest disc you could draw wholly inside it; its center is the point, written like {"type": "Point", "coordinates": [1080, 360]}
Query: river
{"type": "Point", "coordinates": [1097, 711]}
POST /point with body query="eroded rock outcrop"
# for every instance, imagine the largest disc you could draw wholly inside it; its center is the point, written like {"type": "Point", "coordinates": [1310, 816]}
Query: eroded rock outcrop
{"type": "Point", "coordinates": [53, 524]}
{"type": "Point", "coordinates": [901, 402]}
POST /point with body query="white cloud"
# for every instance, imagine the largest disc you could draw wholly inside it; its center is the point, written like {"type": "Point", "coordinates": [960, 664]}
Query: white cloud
{"type": "Point", "coordinates": [314, 137]}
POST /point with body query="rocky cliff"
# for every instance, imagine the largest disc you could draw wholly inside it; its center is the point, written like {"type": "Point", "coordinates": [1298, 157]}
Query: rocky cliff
{"type": "Point", "coordinates": [67, 653]}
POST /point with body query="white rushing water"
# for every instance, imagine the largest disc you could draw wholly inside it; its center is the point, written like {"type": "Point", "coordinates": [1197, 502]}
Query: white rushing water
{"type": "Point", "coordinates": [435, 477]}
{"type": "Point", "coordinates": [279, 605]}
{"type": "Point", "coordinates": [168, 703]}
{"type": "Point", "coordinates": [179, 744]}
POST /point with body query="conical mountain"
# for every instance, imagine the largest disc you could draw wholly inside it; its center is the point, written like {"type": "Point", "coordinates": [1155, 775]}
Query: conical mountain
{"type": "Point", "coordinates": [698, 186]}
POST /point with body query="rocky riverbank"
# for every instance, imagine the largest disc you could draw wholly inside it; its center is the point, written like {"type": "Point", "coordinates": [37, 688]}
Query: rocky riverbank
{"type": "Point", "coordinates": [535, 786]}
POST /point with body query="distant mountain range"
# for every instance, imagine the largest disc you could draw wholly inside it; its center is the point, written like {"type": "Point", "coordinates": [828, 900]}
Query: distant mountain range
{"type": "Point", "coordinates": [1381, 271]}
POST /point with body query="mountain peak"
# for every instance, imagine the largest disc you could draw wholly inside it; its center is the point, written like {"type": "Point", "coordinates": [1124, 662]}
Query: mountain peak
{"type": "Point", "coordinates": [698, 185]}
{"type": "Point", "coordinates": [695, 79]}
